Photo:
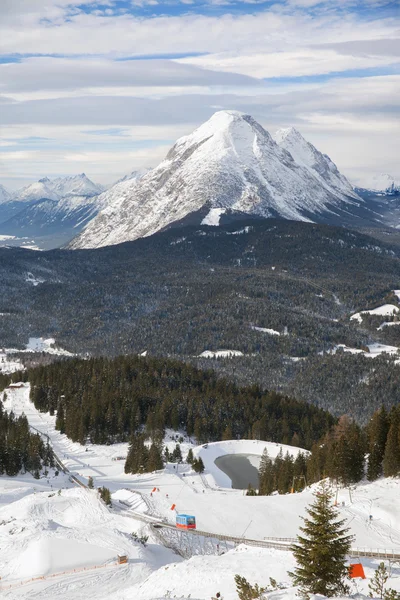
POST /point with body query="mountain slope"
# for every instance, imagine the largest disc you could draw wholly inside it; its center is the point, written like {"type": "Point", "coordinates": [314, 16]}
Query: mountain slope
{"type": "Point", "coordinates": [229, 162]}
{"type": "Point", "coordinates": [320, 165]}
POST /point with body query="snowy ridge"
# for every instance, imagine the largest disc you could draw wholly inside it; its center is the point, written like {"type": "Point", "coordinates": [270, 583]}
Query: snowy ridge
{"type": "Point", "coordinates": [36, 191]}
{"type": "Point", "coordinates": [320, 165]}
{"type": "Point", "coordinates": [229, 162]}
{"type": "Point", "coordinates": [75, 185]}
{"type": "Point", "coordinates": [54, 189]}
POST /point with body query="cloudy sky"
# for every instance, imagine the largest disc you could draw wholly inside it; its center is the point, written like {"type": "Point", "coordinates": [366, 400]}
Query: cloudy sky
{"type": "Point", "coordinates": [106, 87]}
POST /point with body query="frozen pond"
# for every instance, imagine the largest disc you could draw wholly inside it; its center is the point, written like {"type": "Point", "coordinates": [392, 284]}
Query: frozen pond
{"type": "Point", "coordinates": [239, 469]}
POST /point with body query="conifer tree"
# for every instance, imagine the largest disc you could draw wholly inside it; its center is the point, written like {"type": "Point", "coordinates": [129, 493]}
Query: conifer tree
{"type": "Point", "coordinates": [321, 549]}
{"type": "Point", "coordinates": [391, 459]}
{"type": "Point", "coordinates": [190, 457]}
{"type": "Point", "coordinates": [377, 432]}
{"type": "Point", "coordinates": [154, 462]}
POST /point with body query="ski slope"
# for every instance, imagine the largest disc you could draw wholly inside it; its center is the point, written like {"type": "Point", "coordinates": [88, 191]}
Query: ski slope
{"type": "Point", "coordinates": [50, 535]}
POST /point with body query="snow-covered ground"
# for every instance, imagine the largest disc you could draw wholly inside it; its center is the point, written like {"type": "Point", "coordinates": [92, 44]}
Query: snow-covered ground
{"type": "Point", "coordinates": [384, 310]}
{"type": "Point", "coordinates": [43, 533]}
{"type": "Point", "coordinates": [48, 345]}
{"type": "Point", "coordinates": [374, 350]}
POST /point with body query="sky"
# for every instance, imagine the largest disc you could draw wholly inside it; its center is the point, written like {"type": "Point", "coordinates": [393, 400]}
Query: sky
{"type": "Point", "coordinates": [107, 87]}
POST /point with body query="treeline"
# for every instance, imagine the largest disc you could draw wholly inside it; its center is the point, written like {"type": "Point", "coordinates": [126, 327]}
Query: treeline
{"type": "Point", "coordinates": [110, 400]}
{"type": "Point", "coordinates": [346, 455]}
{"type": "Point", "coordinates": [21, 450]}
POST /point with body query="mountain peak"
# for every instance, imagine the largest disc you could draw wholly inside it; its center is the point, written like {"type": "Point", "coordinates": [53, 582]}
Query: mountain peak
{"type": "Point", "coordinates": [229, 162]}
{"type": "Point", "coordinates": [288, 132]}
{"type": "Point", "coordinates": [320, 165]}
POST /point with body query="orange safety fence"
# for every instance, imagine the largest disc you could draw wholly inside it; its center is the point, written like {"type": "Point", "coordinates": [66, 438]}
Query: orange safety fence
{"type": "Point", "coordinates": [53, 575]}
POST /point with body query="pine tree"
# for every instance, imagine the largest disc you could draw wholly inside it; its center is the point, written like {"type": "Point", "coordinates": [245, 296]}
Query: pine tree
{"type": "Point", "coordinates": [190, 457]}
{"type": "Point", "coordinates": [377, 587]}
{"type": "Point", "coordinates": [321, 549]}
{"type": "Point", "coordinates": [90, 483]}
{"type": "Point", "coordinates": [377, 584]}
{"type": "Point", "coordinates": [391, 459]}
{"type": "Point", "coordinates": [377, 432]}
{"type": "Point", "coordinates": [154, 462]}
{"type": "Point", "coordinates": [246, 591]}
{"type": "Point", "coordinates": [198, 465]}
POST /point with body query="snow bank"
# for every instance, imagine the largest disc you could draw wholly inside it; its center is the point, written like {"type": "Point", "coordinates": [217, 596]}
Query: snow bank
{"type": "Point", "coordinates": [56, 555]}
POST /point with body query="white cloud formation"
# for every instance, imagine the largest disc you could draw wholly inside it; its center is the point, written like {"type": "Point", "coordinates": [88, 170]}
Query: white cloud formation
{"type": "Point", "coordinates": [113, 116]}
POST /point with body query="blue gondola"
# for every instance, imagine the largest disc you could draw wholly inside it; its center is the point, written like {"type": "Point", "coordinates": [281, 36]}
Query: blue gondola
{"type": "Point", "coordinates": [186, 521]}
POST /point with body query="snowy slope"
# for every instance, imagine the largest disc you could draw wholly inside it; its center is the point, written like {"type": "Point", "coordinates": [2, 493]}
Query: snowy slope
{"type": "Point", "coordinates": [320, 165]}
{"type": "Point", "coordinates": [228, 162]}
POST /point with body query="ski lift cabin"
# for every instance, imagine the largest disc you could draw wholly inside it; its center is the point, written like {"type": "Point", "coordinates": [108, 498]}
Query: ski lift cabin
{"type": "Point", "coordinates": [186, 522]}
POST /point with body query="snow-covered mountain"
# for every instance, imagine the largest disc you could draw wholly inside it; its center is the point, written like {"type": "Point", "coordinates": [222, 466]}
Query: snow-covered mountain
{"type": "Point", "coordinates": [319, 165]}
{"type": "Point", "coordinates": [382, 184]}
{"type": "Point", "coordinates": [74, 185]}
{"type": "Point", "coordinates": [35, 191]}
{"type": "Point", "coordinates": [228, 163]}
{"type": "Point", "coordinates": [59, 208]}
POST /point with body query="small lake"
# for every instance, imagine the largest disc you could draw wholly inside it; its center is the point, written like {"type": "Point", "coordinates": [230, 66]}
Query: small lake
{"type": "Point", "coordinates": [239, 469]}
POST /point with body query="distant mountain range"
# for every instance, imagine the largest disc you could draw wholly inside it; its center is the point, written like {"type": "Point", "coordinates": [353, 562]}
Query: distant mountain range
{"type": "Point", "coordinates": [53, 210]}
{"type": "Point", "coordinates": [228, 168]}
{"type": "Point", "coordinates": [382, 184]}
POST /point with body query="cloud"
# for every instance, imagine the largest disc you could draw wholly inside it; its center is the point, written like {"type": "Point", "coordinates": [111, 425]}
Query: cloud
{"type": "Point", "coordinates": [60, 74]}
{"type": "Point", "coordinates": [113, 115]}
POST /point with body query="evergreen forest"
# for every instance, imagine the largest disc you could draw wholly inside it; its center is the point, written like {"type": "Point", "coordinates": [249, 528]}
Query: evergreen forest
{"type": "Point", "coordinates": [110, 400]}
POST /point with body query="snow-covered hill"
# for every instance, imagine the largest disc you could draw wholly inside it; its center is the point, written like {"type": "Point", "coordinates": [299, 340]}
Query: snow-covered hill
{"type": "Point", "coordinates": [229, 162]}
